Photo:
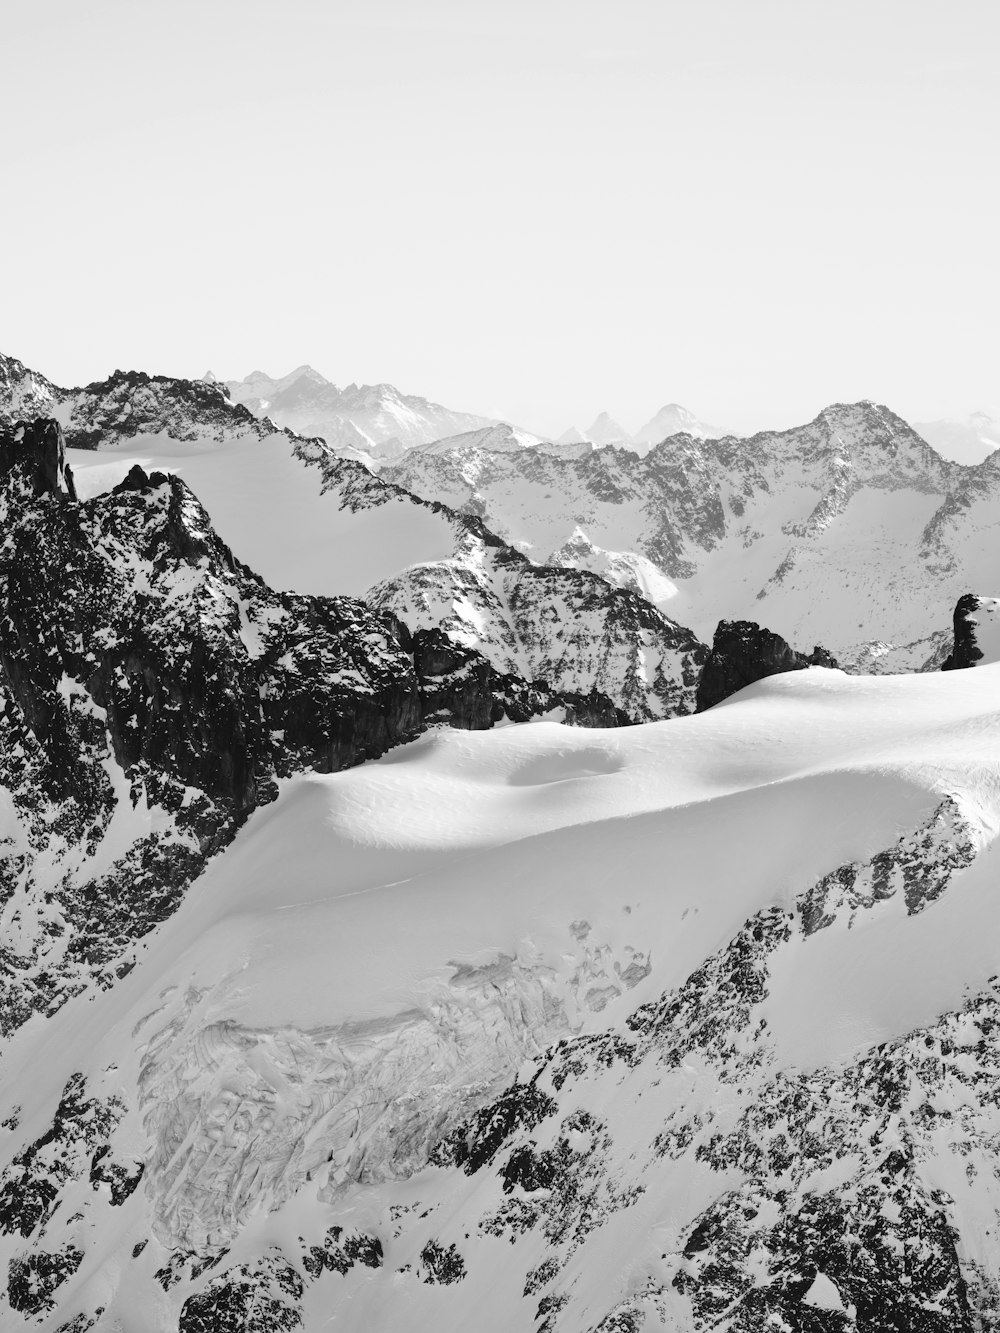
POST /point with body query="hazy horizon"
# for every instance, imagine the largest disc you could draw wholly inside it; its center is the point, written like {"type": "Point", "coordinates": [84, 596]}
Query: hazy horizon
{"type": "Point", "coordinates": [536, 213]}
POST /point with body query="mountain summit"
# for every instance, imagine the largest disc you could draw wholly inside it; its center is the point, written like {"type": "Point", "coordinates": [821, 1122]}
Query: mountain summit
{"type": "Point", "coordinates": [675, 420]}
{"type": "Point", "coordinates": [605, 430]}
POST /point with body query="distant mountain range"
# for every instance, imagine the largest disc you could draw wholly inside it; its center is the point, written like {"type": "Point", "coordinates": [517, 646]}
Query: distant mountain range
{"type": "Point", "coordinates": [372, 419]}
{"type": "Point", "coordinates": [850, 531]}
{"type": "Point", "coordinates": [968, 441]}
{"type": "Point", "coordinates": [671, 419]}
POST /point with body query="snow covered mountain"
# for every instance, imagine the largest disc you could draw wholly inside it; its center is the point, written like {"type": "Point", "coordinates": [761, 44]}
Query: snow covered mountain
{"type": "Point", "coordinates": [500, 438]}
{"type": "Point", "coordinates": [604, 430]}
{"type": "Point", "coordinates": [968, 441]}
{"type": "Point", "coordinates": [24, 393]}
{"type": "Point", "coordinates": [674, 420]}
{"type": "Point", "coordinates": [372, 418]}
{"type": "Point", "coordinates": [850, 531]}
{"type": "Point", "coordinates": [541, 1027]}
{"type": "Point", "coordinates": [316, 1012]}
{"type": "Point", "coordinates": [313, 523]}
{"type": "Point", "coordinates": [574, 436]}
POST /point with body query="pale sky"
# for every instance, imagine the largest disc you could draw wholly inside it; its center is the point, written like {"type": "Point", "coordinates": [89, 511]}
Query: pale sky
{"type": "Point", "coordinates": [535, 209]}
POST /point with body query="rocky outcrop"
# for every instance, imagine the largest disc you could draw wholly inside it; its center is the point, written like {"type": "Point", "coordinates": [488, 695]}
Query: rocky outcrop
{"type": "Point", "coordinates": [567, 627]}
{"type": "Point", "coordinates": [24, 393]}
{"type": "Point", "coordinates": [131, 403]}
{"type": "Point", "coordinates": [743, 652]}
{"type": "Point", "coordinates": [36, 451]}
{"type": "Point", "coordinates": [975, 632]}
{"type": "Point", "coordinates": [461, 687]}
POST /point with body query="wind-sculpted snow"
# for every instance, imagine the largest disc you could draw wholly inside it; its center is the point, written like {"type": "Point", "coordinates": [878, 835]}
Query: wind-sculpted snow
{"type": "Point", "coordinates": [850, 531]}
{"type": "Point", "coordinates": [438, 1040]}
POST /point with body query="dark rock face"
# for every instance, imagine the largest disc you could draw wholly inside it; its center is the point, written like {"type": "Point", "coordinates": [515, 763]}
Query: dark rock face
{"type": "Point", "coordinates": [130, 402]}
{"type": "Point", "coordinates": [32, 1279]}
{"type": "Point", "coordinates": [251, 1298]}
{"type": "Point", "coordinates": [743, 652]}
{"type": "Point", "coordinates": [966, 651]}
{"type": "Point", "coordinates": [37, 451]}
{"type": "Point", "coordinates": [29, 1188]}
{"type": "Point", "coordinates": [459, 686]}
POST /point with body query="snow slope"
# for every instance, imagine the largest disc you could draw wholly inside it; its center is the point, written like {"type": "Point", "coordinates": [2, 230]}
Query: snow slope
{"type": "Point", "coordinates": [633, 955]}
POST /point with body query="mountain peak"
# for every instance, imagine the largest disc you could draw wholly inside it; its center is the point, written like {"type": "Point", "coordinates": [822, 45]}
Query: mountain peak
{"type": "Point", "coordinates": [606, 430]}
{"type": "Point", "coordinates": [673, 419]}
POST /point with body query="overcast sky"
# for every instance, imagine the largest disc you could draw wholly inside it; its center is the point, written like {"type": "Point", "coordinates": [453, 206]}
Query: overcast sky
{"type": "Point", "coordinates": [535, 210]}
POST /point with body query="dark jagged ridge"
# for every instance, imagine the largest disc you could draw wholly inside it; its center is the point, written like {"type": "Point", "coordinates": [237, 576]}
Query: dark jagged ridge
{"type": "Point", "coordinates": [742, 652]}
{"type": "Point", "coordinates": [966, 651]}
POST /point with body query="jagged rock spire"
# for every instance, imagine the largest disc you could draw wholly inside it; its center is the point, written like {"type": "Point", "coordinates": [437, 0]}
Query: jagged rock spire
{"type": "Point", "coordinates": [38, 450]}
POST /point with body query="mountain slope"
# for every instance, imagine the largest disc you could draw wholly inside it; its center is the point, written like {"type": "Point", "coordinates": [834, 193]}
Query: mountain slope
{"type": "Point", "coordinates": [677, 1046]}
{"type": "Point", "coordinates": [844, 531]}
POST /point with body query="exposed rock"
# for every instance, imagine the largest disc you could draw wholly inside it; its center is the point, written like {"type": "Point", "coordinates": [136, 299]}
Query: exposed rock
{"type": "Point", "coordinates": [33, 1278]}
{"type": "Point", "coordinates": [461, 687]}
{"type": "Point", "coordinates": [975, 622]}
{"type": "Point", "coordinates": [262, 1297]}
{"type": "Point", "coordinates": [131, 403]}
{"type": "Point", "coordinates": [24, 393]}
{"type": "Point", "coordinates": [567, 627]}
{"type": "Point", "coordinates": [37, 451]}
{"type": "Point", "coordinates": [743, 652]}
{"type": "Point", "coordinates": [29, 1187]}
